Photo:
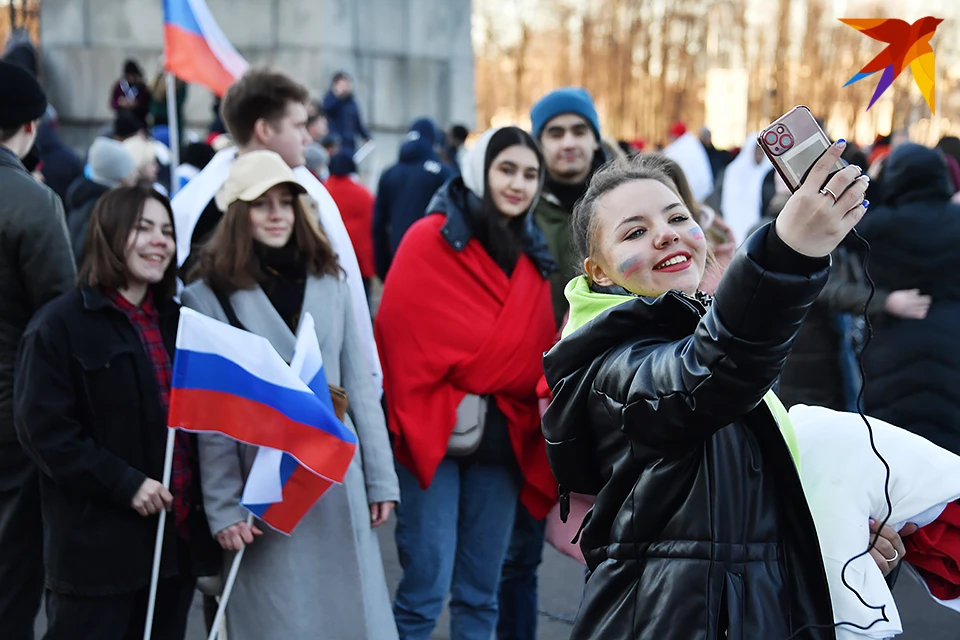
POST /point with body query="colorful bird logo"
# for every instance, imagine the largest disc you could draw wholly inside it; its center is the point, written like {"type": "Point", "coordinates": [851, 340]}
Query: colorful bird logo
{"type": "Point", "coordinates": [906, 44]}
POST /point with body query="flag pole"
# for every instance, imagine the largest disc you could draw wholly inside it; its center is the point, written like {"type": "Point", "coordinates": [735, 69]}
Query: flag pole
{"type": "Point", "coordinates": [158, 546]}
{"type": "Point", "coordinates": [227, 589]}
{"type": "Point", "coordinates": [173, 129]}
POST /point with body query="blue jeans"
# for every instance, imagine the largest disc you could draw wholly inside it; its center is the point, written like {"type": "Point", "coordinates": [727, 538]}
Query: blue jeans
{"type": "Point", "coordinates": [452, 539]}
{"type": "Point", "coordinates": [518, 584]}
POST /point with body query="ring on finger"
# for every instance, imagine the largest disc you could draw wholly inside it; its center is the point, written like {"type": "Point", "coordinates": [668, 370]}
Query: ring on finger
{"type": "Point", "coordinates": [827, 192]}
{"type": "Point", "coordinates": [896, 556]}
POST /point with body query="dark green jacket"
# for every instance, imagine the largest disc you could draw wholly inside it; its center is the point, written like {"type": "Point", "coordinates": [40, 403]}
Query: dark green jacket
{"type": "Point", "coordinates": [554, 221]}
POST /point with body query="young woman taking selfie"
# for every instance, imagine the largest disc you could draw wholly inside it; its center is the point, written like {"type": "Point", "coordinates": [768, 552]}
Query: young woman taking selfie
{"type": "Point", "coordinates": [662, 408]}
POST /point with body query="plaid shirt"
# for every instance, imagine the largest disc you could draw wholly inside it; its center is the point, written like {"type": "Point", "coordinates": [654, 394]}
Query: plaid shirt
{"type": "Point", "coordinates": [146, 320]}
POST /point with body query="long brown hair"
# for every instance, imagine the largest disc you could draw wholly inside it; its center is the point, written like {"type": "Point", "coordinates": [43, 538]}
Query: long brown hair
{"type": "Point", "coordinates": [228, 261]}
{"type": "Point", "coordinates": [116, 214]}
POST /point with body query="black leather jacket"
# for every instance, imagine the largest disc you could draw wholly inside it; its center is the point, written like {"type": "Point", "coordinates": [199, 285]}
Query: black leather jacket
{"type": "Point", "coordinates": [701, 529]}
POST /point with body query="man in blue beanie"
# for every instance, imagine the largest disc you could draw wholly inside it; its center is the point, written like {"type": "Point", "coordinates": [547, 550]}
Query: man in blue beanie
{"type": "Point", "coordinates": [566, 125]}
{"type": "Point", "coordinates": [405, 190]}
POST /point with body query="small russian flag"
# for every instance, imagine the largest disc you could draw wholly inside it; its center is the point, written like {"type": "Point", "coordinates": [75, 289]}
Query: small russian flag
{"type": "Point", "coordinates": [196, 50]}
{"type": "Point", "coordinates": [279, 491]}
{"type": "Point", "coordinates": [233, 382]}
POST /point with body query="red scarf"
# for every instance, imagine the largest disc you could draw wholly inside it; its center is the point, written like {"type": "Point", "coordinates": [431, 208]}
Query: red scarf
{"type": "Point", "coordinates": [452, 323]}
{"type": "Point", "coordinates": [935, 552]}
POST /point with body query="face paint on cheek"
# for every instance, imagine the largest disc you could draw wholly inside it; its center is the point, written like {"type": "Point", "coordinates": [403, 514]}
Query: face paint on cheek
{"type": "Point", "coordinates": [696, 232]}
{"type": "Point", "coordinates": [629, 267]}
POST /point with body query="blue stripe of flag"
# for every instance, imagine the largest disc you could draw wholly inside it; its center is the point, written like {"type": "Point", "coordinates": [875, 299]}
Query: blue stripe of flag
{"type": "Point", "coordinates": [210, 372]}
{"type": "Point", "coordinates": [177, 13]}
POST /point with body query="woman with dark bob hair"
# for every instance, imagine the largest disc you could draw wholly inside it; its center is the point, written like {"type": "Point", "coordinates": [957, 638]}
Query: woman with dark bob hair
{"type": "Point", "coordinates": [91, 400]}
{"type": "Point", "coordinates": [266, 265]}
{"type": "Point", "coordinates": [662, 408]}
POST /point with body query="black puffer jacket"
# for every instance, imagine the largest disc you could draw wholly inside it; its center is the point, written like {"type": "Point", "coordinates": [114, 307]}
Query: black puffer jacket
{"type": "Point", "coordinates": [913, 366]}
{"type": "Point", "coordinates": [701, 529]}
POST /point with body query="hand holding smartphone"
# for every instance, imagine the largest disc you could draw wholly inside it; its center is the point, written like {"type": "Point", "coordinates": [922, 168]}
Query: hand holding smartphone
{"type": "Point", "coordinates": [793, 143]}
{"type": "Point", "coordinates": [828, 196]}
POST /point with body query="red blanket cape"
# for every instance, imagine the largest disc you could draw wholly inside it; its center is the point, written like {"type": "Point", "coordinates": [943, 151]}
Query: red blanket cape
{"type": "Point", "coordinates": [452, 323]}
{"type": "Point", "coordinates": [935, 552]}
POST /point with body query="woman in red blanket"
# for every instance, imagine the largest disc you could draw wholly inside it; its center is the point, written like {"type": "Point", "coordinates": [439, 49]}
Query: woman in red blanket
{"type": "Point", "coordinates": [466, 312]}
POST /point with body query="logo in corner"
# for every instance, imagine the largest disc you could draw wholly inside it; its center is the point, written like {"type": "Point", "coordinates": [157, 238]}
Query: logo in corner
{"type": "Point", "coordinates": [907, 44]}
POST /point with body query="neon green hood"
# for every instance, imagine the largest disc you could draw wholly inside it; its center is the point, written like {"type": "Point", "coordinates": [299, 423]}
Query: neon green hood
{"type": "Point", "coordinates": [586, 304]}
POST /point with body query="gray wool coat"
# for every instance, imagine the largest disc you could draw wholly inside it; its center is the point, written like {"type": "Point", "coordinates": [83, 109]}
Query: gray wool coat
{"type": "Point", "coordinates": [326, 580]}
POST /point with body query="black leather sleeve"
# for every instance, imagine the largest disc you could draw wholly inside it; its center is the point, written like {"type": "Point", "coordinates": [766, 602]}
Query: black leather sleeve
{"type": "Point", "coordinates": [676, 393]}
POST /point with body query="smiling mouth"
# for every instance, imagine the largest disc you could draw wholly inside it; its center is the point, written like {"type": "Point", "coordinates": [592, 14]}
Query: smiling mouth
{"type": "Point", "coordinates": [154, 259]}
{"type": "Point", "coordinates": [672, 262]}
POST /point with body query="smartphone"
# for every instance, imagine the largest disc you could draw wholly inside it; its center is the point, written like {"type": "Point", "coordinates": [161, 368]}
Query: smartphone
{"type": "Point", "coordinates": [794, 143]}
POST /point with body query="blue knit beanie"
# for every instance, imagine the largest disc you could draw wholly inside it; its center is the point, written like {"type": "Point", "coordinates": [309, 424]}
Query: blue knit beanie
{"type": "Point", "coordinates": [567, 100]}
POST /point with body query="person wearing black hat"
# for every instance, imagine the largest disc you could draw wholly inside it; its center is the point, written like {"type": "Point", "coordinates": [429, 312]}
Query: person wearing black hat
{"type": "Point", "coordinates": [36, 265]}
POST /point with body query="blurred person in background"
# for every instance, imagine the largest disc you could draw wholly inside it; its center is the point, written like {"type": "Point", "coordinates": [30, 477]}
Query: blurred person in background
{"type": "Point", "coordinates": [130, 94]}
{"type": "Point", "coordinates": [465, 313]}
{"type": "Point", "coordinates": [331, 144]}
{"type": "Point", "coordinates": [317, 125]}
{"type": "Point", "coordinates": [110, 165]}
{"type": "Point", "coordinates": [144, 155]}
{"type": "Point", "coordinates": [688, 151]}
{"type": "Point", "coordinates": [913, 362]}
{"type": "Point", "coordinates": [406, 189]}
{"type": "Point", "coordinates": [950, 147]}
{"type": "Point", "coordinates": [60, 164]}
{"type": "Point", "coordinates": [747, 186]}
{"type": "Point", "coordinates": [343, 113]}
{"type": "Point", "coordinates": [158, 103]}
{"type": "Point", "coordinates": [317, 160]}
{"type": "Point", "coordinates": [36, 265]}
{"type": "Point", "coordinates": [194, 158]}
{"type": "Point", "coordinates": [92, 396]}
{"type": "Point", "coordinates": [356, 208]}
{"type": "Point", "coordinates": [454, 149]}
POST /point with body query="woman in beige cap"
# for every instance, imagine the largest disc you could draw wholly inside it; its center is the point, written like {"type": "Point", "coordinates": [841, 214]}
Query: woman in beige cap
{"type": "Point", "coordinates": [265, 266]}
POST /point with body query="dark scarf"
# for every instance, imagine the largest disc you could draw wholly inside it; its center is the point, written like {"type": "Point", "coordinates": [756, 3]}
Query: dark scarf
{"type": "Point", "coordinates": [284, 280]}
{"type": "Point", "coordinates": [566, 194]}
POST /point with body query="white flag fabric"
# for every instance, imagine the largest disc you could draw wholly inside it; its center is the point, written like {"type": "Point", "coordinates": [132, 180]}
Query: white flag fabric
{"type": "Point", "coordinates": [844, 484]}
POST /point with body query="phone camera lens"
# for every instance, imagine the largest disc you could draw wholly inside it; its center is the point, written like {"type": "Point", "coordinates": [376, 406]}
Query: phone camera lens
{"type": "Point", "coordinates": [770, 137]}
{"type": "Point", "coordinates": [786, 141]}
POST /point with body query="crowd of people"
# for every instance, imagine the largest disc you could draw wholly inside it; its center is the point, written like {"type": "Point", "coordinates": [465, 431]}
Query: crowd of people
{"type": "Point", "coordinates": [551, 240]}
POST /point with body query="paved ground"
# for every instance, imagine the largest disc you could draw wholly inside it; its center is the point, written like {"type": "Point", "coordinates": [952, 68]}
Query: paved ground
{"type": "Point", "coordinates": [561, 582]}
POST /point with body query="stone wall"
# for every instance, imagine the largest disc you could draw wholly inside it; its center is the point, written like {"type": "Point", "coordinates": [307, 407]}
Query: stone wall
{"type": "Point", "coordinates": [409, 58]}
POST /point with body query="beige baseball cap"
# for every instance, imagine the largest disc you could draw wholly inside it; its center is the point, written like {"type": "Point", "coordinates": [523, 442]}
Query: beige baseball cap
{"type": "Point", "coordinates": [252, 175]}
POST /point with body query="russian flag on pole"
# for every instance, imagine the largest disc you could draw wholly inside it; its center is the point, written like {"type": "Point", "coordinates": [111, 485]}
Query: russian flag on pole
{"type": "Point", "coordinates": [233, 382]}
{"type": "Point", "coordinates": [280, 491]}
{"type": "Point", "coordinates": [196, 50]}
